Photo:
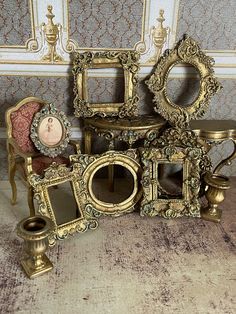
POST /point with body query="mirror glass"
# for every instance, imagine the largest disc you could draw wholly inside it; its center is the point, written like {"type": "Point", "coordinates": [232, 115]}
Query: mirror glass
{"type": "Point", "coordinates": [119, 191]}
{"type": "Point", "coordinates": [63, 203]}
{"type": "Point", "coordinates": [106, 89]}
{"type": "Point", "coordinates": [170, 178]}
{"type": "Point", "coordinates": [183, 91]}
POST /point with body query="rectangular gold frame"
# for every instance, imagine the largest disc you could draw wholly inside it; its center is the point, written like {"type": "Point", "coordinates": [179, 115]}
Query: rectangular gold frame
{"type": "Point", "coordinates": [152, 204]}
{"type": "Point", "coordinates": [128, 61]}
{"type": "Point", "coordinates": [53, 176]}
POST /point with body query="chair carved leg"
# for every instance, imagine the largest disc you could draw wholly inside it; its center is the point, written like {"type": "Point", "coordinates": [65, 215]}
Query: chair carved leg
{"type": "Point", "coordinates": [11, 175]}
{"type": "Point", "coordinates": [31, 201]}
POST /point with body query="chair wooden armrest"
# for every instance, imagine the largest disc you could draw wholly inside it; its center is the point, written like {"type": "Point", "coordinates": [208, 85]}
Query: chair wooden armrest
{"type": "Point", "coordinates": [26, 156]}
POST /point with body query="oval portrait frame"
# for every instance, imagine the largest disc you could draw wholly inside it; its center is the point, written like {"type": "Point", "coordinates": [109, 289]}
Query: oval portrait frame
{"type": "Point", "coordinates": [186, 51]}
{"type": "Point", "coordinates": [56, 135]}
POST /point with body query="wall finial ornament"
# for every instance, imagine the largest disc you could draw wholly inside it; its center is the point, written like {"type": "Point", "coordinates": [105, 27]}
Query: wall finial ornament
{"type": "Point", "coordinates": [51, 34]}
{"type": "Point", "coordinates": [159, 36]}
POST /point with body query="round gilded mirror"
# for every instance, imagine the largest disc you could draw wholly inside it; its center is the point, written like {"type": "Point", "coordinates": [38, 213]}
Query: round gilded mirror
{"type": "Point", "coordinates": [113, 183]}
{"type": "Point", "coordinates": [183, 91]}
{"type": "Point", "coordinates": [115, 190]}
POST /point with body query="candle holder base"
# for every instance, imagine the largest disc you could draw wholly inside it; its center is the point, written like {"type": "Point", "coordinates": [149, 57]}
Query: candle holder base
{"type": "Point", "coordinates": [208, 215]}
{"type": "Point", "coordinates": [32, 271]}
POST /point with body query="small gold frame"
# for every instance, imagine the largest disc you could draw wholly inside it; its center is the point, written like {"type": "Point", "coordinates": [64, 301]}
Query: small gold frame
{"type": "Point", "coordinates": [187, 51]}
{"type": "Point", "coordinates": [54, 176]}
{"type": "Point", "coordinates": [88, 165]}
{"type": "Point", "coordinates": [175, 146]}
{"type": "Point", "coordinates": [128, 61]}
{"type": "Point", "coordinates": [49, 141]}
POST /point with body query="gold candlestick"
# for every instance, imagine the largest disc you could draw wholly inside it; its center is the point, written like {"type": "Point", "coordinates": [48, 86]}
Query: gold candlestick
{"type": "Point", "coordinates": [216, 186]}
{"type": "Point", "coordinates": [35, 231]}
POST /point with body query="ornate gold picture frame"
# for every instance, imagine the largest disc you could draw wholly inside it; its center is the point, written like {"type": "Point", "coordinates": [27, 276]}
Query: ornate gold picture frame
{"type": "Point", "coordinates": [50, 131]}
{"type": "Point", "coordinates": [187, 51]}
{"type": "Point", "coordinates": [53, 177]}
{"type": "Point", "coordinates": [87, 166]}
{"type": "Point", "coordinates": [128, 61]}
{"type": "Point", "coordinates": [174, 147]}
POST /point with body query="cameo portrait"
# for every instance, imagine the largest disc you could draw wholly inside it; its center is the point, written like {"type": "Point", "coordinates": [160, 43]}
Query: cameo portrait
{"type": "Point", "coordinates": [50, 131]}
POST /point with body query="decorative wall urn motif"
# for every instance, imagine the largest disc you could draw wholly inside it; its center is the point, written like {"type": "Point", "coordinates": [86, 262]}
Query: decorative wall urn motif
{"type": "Point", "coordinates": [51, 34]}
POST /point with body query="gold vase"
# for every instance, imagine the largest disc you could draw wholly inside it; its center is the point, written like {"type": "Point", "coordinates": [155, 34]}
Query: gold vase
{"type": "Point", "coordinates": [216, 184]}
{"type": "Point", "coordinates": [35, 232]}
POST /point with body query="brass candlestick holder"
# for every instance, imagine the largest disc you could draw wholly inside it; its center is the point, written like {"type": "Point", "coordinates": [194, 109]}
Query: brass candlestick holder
{"type": "Point", "coordinates": [217, 184]}
{"type": "Point", "coordinates": [35, 232]}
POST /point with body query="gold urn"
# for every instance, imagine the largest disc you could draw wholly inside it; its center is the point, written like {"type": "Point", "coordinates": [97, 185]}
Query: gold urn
{"type": "Point", "coordinates": [35, 231]}
{"type": "Point", "coordinates": [216, 185]}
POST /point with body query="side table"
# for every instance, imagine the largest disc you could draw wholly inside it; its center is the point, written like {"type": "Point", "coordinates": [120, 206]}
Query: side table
{"type": "Point", "coordinates": [126, 130]}
{"type": "Point", "coordinates": [213, 132]}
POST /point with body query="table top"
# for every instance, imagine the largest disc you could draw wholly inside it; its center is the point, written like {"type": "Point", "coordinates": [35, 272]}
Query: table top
{"type": "Point", "coordinates": [137, 123]}
{"type": "Point", "coordinates": [214, 129]}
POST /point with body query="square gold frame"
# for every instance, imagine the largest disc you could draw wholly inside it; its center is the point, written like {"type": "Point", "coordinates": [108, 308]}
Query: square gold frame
{"type": "Point", "coordinates": [128, 61]}
{"type": "Point", "coordinates": [53, 176]}
{"type": "Point", "coordinates": [153, 203]}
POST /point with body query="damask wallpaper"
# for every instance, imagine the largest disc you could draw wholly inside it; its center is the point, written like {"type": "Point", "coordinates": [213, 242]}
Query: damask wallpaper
{"type": "Point", "coordinates": [211, 22]}
{"type": "Point", "coordinates": [106, 23]}
{"type": "Point", "coordinates": [105, 89]}
{"type": "Point", "coordinates": [15, 24]}
{"type": "Point", "coordinates": [58, 90]}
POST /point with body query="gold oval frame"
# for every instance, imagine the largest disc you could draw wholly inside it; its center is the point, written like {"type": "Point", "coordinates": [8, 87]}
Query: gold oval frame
{"type": "Point", "coordinates": [50, 111]}
{"type": "Point", "coordinates": [110, 208]}
{"type": "Point", "coordinates": [188, 51]}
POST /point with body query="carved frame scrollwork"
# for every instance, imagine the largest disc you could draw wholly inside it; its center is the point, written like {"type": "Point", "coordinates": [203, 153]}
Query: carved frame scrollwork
{"type": "Point", "coordinates": [188, 51]}
{"type": "Point", "coordinates": [128, 61]}
{"type": "Point", "coordinates": [54, 176]}
{"type": "Point", "coordinates": [88, 165]}
{"type": "Point", "coordinates": [173, 147]}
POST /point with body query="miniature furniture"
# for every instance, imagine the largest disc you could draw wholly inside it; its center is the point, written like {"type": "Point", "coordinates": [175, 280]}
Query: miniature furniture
{"type": "Point", "coordinates": [23, 156]}
{"type": "Point", "coordinates": [126, 130]}
{"type": "Point", "coordinates": [214, 132]}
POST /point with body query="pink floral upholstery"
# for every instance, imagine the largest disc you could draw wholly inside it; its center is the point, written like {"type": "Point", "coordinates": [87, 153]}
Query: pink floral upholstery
{"type": "Point", "coordinates": [21, 122]}
{"type": "Point", "coordinates": [43, 162]}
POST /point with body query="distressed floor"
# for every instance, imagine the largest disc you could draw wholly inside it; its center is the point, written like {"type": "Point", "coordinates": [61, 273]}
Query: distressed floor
{"type": "Point", "coordinates": [128, 265]}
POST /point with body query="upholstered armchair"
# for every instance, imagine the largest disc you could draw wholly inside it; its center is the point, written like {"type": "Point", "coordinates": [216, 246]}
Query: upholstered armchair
{"type": "Point", "coordinates": [23, 156]}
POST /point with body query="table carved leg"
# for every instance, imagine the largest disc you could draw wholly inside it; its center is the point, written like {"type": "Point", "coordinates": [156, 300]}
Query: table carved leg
{"type": "Point", "coordinates": [227, 161]}
{"type": "Point", "coordinates": [111, 168]}
{"type": "Point", "coordinates": [87, 141]}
